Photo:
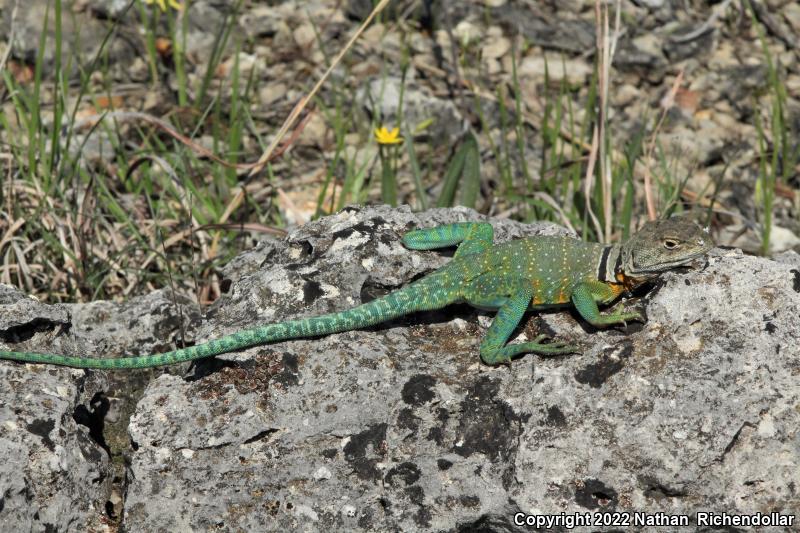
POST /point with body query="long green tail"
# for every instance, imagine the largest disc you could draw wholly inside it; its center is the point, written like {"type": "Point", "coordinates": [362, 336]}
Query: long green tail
{"type": "Point", "coordinates": [425, 294]}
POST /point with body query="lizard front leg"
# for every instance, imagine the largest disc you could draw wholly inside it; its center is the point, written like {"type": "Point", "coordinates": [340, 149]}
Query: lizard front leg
{"type": "Point", "coordinates": [585, 296]}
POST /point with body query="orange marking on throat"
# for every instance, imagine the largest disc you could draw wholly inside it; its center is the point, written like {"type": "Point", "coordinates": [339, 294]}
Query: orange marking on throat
{"type": "Point", "coordinates": [617, 288]}
{"type": "Point", "coordinates": [626, 282]}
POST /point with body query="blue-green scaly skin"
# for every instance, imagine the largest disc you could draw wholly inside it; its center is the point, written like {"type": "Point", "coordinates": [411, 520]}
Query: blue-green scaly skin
{"type": "Point", "coordinates": [511, 278]}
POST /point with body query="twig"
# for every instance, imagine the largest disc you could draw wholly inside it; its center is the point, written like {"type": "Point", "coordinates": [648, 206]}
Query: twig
{"type": "Point", "coordinates": [589, 181]}
{"type": "Point", "coordinates": [127, 116]}
{"type": "Point", "coordinates": [763, 15]}
{"type": "Point", "coordinates": [267, 155]}
{"type": "Point", "coordinates": [11, 36]}
{"type": "Point", "coordinates": [648, 156]}
{"type": "Point", "coordinates": [706, 27]}
{"type": "Point", "coordinates": [270, 152]}
{"type": "Point", "coordinates": [606, 45]}
{"type": "Point", "coordinates": [9, 180]}
{"type": "Point", "coordinates": [549, 200]}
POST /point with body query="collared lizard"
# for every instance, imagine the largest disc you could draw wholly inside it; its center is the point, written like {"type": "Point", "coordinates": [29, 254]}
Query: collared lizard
{"type": "Point", "coordinates": [512, 277]}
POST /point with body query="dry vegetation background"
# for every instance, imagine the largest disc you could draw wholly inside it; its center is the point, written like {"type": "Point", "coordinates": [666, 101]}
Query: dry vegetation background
{"type": "Point", "coordinates": [134, 136]}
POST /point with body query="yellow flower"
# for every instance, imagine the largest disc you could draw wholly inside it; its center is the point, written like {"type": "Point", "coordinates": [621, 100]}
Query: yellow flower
{"type": "Point", "coordinates": [384, 136]}
{"type": "Point", "coordinates": [174, 4]}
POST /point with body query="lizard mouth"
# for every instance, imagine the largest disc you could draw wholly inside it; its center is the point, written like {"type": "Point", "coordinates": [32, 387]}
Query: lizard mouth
{"type": "Point", "coordinates": [694, 265]}
{"type": "Point", "coordinates": [693, 262]}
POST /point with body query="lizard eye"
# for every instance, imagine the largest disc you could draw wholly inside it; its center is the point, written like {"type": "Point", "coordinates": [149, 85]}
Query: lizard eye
{"type": "Point", "coordinates": [671, 244]}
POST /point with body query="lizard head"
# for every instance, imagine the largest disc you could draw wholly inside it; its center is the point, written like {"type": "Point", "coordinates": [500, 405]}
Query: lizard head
{"type": "Point", "coordinates": [663, 245]}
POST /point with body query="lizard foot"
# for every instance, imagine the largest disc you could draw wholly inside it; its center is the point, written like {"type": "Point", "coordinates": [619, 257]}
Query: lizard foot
{"type": "Point", "coordinates": [503, 355]}
{"type": "Point", "coordinates": [631, 316]}
{"type": "Point", "coordinates": [551, 348]}
{"type": "Point", "coordinates": [620, 318]}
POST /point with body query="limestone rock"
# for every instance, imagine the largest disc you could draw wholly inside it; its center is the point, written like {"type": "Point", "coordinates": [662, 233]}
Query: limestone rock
{"type": "Point", "coordinates": [400, 427]}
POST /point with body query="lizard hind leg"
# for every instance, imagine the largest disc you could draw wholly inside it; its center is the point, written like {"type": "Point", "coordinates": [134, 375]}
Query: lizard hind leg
{"type": "Point", "coordinates": [494, 349]}
{"type": "Point", "coordinates": [472, 237]}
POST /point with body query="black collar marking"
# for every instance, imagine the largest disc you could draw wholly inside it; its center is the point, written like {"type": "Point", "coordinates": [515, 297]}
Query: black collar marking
{"type": "Point", "coordinates": [602, 268]}
{"type": "Point", "coordinates": [618, 264]}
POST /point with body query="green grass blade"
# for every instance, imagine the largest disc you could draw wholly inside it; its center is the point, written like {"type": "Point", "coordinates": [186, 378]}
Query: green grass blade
{"type": "Point", "coordinates": [413, 162]}
{"type": "Point", "coordinates": [471, 173]}
{"type": "Point", "coordinates": [389, 178]}
{"type": "Point", "coordinates": [451, 177]}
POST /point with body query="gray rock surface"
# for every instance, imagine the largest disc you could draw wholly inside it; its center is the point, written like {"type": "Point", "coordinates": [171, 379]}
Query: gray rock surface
{"type": "Point", "coordinates": [400, 427]}
{"type": "Point", "coordinates": [55, 474]}
{"type": "Point", "coordinates": [52, 473]}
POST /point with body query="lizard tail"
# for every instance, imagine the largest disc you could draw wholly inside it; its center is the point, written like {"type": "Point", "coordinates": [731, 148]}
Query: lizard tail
{"type": "Point", "coordinates": [425, 294]}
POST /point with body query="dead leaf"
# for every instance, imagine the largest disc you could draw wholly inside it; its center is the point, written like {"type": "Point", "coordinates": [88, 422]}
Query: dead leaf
{"type": "Point", "coordinates": [687, 100]}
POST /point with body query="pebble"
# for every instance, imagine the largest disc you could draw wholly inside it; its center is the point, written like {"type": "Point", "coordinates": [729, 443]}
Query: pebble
{"type": "Point", "coordinates": [271, 92]}
{"type": "Point", "coordinates": [791, 12]}
{"type": "Point", "coordinates": [575, 71]}
{"type": "Point", "coordinates": [304, 35]}
{"type": "Point", "coordinates": [496, 47]}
